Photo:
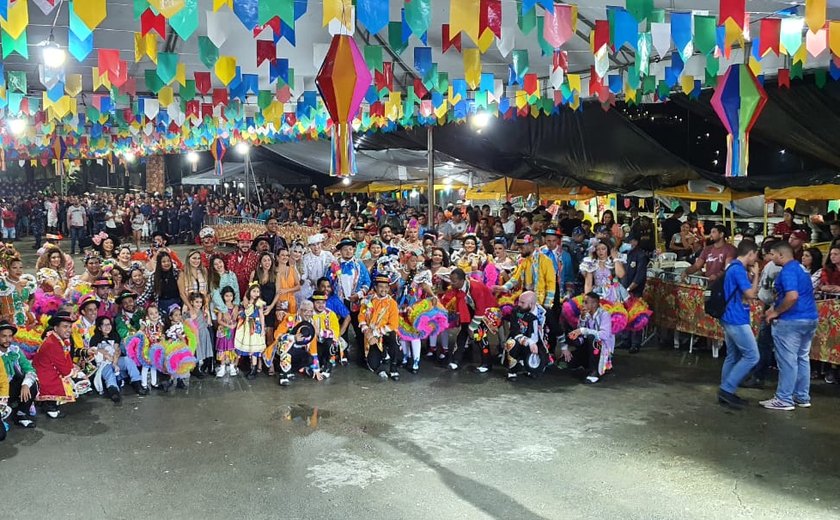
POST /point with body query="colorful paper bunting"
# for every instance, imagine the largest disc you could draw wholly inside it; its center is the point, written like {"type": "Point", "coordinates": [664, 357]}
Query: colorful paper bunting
{"type": "Point", "coordinates": [90, 12]}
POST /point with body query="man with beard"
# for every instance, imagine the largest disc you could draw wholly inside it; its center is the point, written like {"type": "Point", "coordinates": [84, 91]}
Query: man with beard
{"type": "Point", "coordinates": [535, 272]}
{"type": "Point", "coordinates": [243, 261]}
{"type": "Point", "coordinates": [315, 264]}
{"type": "Point", "coordinates": [23, 384]}
{"type": "Point", "coordinates": [350, 281]}
{"type": "Point", "coordinates": [272, 234]}
{"type": "Point", "coordinates": [160, 242]}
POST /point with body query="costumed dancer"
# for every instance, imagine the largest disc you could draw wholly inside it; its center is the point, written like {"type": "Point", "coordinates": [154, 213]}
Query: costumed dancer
{"type": "Point", "coordinates": [596, 340]}
{"type": "Point", "coordinates": [197, 314]}
{"type": "Point", "coordinates": [337, 306]}
{"type": "Point", "coordinates": [54, 366]}
{"type": "Point", "coordinates": [497, 272]}
{"type": "Point", "coordinates": [412, 288]}
{"type": "Point", "coordinates": [225, 329]}
{"type": "Point", "coordinates": [526, 347]}
{"type": "Point", "coordinates": [350, 282]}
{"type": "Point", "coordinates": [82, 332]}
{"type": "Point", "coordinates": [23, 382]}
{"type": "Point", "coordinates": [175, 332]}
{"type": "Point", "coordinates": [471, 259]}
{"type": "Point", "coordinates": [602, 272]}
{"type": "Point", "coordinates": [328, 332]}
{"type": "Point", "coordinates": [299, 348]}
{"type": "Point", "coordinates": [152, 328]}
{"type": "Point", "coordinates": [128, 316]}
{"type": "Point", "coordinates": [438, 265]}
{"type": "Point", "coordinates": [469, 300]}
{"type": "Point", "coordinates": [249, 339]}
{"type": "Point", "coordinates": [46, 302]}
{"type": "Point", "coordinates": [315, 264]}
{"type": "Point", "coordinates": [553, 250]}
{"type": "Point", "coordinates": [379, 320]}
{"type": "Point", "coordinates": [243, 261]}
{"type": "Point", "coordinates": [111, 366]}
{"type": "Point", "coordinates": [20, 288]}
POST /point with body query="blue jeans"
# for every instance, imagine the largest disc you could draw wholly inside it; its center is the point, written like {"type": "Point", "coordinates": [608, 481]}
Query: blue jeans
{"type": "Point", "coordinates": [765, 351]}
{"type": "Point", "coordinates": [127, 367]}
{"type": "Point", "coordinates": [741, 356]}
{"type": "Point", "coordinates": [793, 352]}
{"type": "Point", "coordinates": [76, 235]}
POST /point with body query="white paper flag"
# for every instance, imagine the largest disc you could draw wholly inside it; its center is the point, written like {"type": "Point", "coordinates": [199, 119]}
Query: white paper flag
{"type": "Point", "coordinates": [506, 43]}
{"type": "Point", "coordinates": [661, 35]}
{"type": "Point", "coordinates": [217, 24]}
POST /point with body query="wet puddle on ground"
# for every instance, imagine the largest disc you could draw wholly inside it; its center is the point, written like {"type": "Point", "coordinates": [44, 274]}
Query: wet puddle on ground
{"type": "Point", "coordinates": [303, 414]}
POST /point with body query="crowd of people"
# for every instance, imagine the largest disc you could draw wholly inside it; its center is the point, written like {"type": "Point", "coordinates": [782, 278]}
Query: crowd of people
{"type": "Point", "coordinates": [370, 282]}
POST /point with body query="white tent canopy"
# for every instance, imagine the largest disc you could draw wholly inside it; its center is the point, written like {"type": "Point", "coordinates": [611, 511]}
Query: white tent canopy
{"type": "Point", "coordinates": [233, 172]}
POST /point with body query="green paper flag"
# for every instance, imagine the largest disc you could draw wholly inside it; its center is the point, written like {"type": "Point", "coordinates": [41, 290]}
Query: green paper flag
{"type": "Point", "coordinates": [643, 47]}
{"type": "Point", "coordinates": [657, 16]}
{"type": "Point", "coordinates": [834, 205]}
{"type": "Point", "coordinates": [443, 82]}
{"type": "Point", "coordinates": [139, 7]}
{"type": "Point", "coordinates": [153, 82]}
{"type": "Point", "coordinates": [675, 204]}
{"type": "Point", "coordinates": [546, 48]}
{"type": "Point", "coordinates": [395, 39]}
{"type": "Point", "coordinates": [418, 16]}
{"type": "Point", "coordinates": [714, 206]}
{"type": "Point", "coordinates": [167, 67]}
{"type": "Point", "coordinates": [11, 45]}
{"type": "Point", "coordinates": [633, 76]}
{"type": "Point", "coordinates": [185, 21]}
{"type": "Point", "coordinates": [705, 34]}
{"type": "Point", "coordinates": [526, 21]}
{"type": "Point", "coordinates": [207, 52]}
{"type": "Point", "coordinates": [92, 113]}
{"type": "Point", "coordinates": [796, 70]}
{"type": "Point", "coordinates": [373, 57]}
{"type": "Point", "coordinates": [662, 89]}
{"type": "Point", "coordinates": [268, 9]}
{"type": "Point", "coordinates": [264, 99]}
{"type": "Point", "coordinates": [640, 9]}
{"type": "Point", "coordinates": [819, 77]}
{"type": "Point", "coordinates": [187, 92]}
{"type": "Point", "coordinates": [481, 99]}
{"type": "Point", "coordinates": [16, 81]}
{"type": "Point", "coordinates": [431, 79]}
{"type": "Point", "coordinates": [649, 85]}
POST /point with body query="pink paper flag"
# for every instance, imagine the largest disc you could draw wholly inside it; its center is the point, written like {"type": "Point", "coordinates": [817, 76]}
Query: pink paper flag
{"type": "Point", "coordinates": [557, 26]}
{"type": "Point", "coordinates": [816, 42]}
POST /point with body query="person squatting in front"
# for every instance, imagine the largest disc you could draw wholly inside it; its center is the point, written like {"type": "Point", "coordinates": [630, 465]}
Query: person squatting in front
{"type": "Point", "coordinates": [526, 347]}
{"type": "Point", "coordinates": [594, 338]}
{"type": "Point", "coordinates": [469, 301]}
{"type": "Point", "coordinates": [379, 320]}
{"type": "Point", "coordinates": [22, 381]}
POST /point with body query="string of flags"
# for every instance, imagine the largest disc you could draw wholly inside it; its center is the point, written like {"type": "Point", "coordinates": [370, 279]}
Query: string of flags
{"type": "Point", "coordinates": [175, 110]}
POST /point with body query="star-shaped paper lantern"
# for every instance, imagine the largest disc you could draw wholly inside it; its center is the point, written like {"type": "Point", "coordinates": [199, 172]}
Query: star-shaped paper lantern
{"type": "Point", "coordinates": [738, 101]}
{"type": "Point", "coordinates": [343, 80]}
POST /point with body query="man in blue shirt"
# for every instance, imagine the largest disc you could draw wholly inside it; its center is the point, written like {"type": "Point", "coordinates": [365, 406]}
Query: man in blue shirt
{"type": "Point", "coordinates": [794, 321]}
{"type": "Point", "coordinates": [739, 288]}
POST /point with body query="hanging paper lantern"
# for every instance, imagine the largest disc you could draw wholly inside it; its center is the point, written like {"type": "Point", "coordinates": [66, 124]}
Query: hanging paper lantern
{"type": "Point", "coordinates": [218, 150]}
{"type": "Point", "coordinates": [738, 100]}
{"type": "Point", "coordinates": [343, 80]}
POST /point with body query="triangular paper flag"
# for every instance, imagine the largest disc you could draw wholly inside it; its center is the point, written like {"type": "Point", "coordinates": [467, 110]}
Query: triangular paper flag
{"type": "Point", "coordinates": [91, 12]}
{"type": "Point", "coordinates": [225, 69]}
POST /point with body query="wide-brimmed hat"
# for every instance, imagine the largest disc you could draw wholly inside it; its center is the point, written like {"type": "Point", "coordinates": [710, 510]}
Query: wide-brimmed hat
{"type": "Point", "coordinates": [58, 317]}
{"type": "Point", "coordinates": [244, 236]}
{"type": "Point", "coordinates": [345, 242]}
{"type": "Point", "coordinates": [125, 294]}
{"type": "Point", "coordinates": [88, 298]}
{"type": "Point", "coordinates": [102, 282]}
{"type": "Point", "coordinates": [6, 325]}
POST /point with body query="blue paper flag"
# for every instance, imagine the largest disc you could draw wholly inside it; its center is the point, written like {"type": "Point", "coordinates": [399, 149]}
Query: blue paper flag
{"type": "Point", "coordinates": [373, 14]}
{"type": "Point", "coordinates": [279, 68]}
{"type": "Point", "coordinates": [487, 83]}
{"type": "Point", "coordinates": [616, 83]}
{"type": "Point", "coordinates": [626, 28]}
{"type": "Point", "coordinates": [286, 31]}
{"type": "Point", "coordinates": [677, 64]}
{"type": "Point", "coordinates": [300, 8]}
{"type": "Point", "coordinates": [79, 48]}
{"type": "Point", "coordinates": [681, 32]}
{"type": "Point", "coordinates": [77, 26]}
{"type": "Point", "coordinates": [833, 70]}
{"type": "Point", "coordinates": [248, 12]}
{"type": "Point", "coordinates": [56, 92]}
{"type": "Point", "coordinates": [422, 60]}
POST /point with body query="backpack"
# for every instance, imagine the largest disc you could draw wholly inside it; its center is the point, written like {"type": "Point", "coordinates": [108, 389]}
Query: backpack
{"type": "Point", "coordinates": [715, 297]}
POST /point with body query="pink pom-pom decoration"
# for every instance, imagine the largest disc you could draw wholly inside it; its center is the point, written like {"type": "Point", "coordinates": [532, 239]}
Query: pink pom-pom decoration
{"type": "Point", "coordinates": [46, 304]}
{"type": "Point", "coordinates": [157, 357]}
{"type": "Point", "coordinates": [181, 361]}
{"type": "Point", "coordinates": [638, 314]}
{"type": "Point", "coordinates": [134, 348]}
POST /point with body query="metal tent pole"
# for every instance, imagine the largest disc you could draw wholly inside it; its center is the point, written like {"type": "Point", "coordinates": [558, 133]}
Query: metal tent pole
{"type": "Point", "coordinates": [430, 196]}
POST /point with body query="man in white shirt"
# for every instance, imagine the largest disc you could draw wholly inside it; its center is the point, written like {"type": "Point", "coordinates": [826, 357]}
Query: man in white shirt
{"type": "Point", "coordinates": [76, 223]}
{"type": "Point", "coordinates": [456, 229]}
{"type": "Point", "coordinates": [508, 225]}
{"type": "Point", "coordinates": [315, 264]}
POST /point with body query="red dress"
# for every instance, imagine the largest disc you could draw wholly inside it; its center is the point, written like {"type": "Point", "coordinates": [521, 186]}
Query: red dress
{"type": "Point", "coordinates": [52, 365]}
{"type": "Point", "coordinates": [242, 265]}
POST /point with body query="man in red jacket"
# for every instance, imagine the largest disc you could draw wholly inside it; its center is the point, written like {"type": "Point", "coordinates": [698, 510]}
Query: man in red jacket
{"type": "Point", "coordinates": [54, 366]}
{"type": "Point", "coordinates": [243, 261]}
{"type": "Point", "coordinates": [470, 299]}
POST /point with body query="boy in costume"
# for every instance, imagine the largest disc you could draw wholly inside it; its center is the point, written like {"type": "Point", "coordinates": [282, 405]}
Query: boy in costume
{"type": "Point", "coordinates": [379, 319]}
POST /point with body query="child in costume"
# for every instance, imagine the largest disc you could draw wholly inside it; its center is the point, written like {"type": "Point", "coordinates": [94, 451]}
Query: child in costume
{"type": "Point", "coordinates": [595, 337]}
{"type": "Point", "coordinates": [197, 314]}
{"type": "Point", "coordinates": [47, 301]}
{"type": "Point", "coordinates": [602, 272]}
{"type": "Point", "coordinates": [249, 339]}
{"type": "Point", "coordinates": [299, 349]}
{"type": "Point", "coordinates": [226, 327]}
{"type": "Point", "coordinates": [328, 333]}
{"type": "Point", "coordinates": [335, 304]}
{"type": "Point", "coordinates": [379, 319]}
{"type": "Point", "coordinates": [175, 332]}
{"type": "Point", "coordinates": [152, 328]}
{"type": "Point", "coordinates": [102, 292]}
{"type": "Point", "coordinates": [412, 288]}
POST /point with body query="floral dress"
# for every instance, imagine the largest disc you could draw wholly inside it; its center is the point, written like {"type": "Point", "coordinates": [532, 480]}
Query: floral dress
{"type": "Point", "coordinates": [249, 339]}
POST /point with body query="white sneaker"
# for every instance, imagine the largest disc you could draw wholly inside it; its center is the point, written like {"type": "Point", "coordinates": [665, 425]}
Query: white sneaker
{"type": "Point", "coordinates": [591, 380]}
{"type": "Point", "coordinates": [383, 374]}
{"type": "Point", "coordinates": [453, 366]}
{"type": "Point", "coordinates": [442, 356]}
{"type": "Point", "coordinates": [220, 371]}
{"type": "Point", "coordinates": [232, 370]}
{"type": "Point", "coordinates": [511, 376]}
{"type": "Point", "coordinates": [482, 369]}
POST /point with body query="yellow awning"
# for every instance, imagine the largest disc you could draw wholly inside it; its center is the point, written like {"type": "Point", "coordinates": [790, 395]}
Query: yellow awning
{"type": "Point", "coordinates": [382, 187]}
{"type": "Point", "coordinates": [818, 192]}
{"type": "Point", "coordinates": [581, 193]}
{"type": "Point", "coordinates": [353, 187]}
{"type": "Point", "coordinates": [682, 192]}
{"type": "Point", "coordinates": [500, 188]}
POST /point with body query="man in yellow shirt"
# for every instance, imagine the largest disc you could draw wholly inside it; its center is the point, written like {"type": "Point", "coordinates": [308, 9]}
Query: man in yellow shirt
{"type": "Point", "coordinates": [327, 331]}
{"type": "Point", "coordinates": [379, 320]}
{"type": "Point", "coordinates": [535, 272]}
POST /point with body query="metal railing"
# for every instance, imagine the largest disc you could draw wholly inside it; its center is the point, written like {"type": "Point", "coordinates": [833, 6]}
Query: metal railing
{"type": "Point", "coordinates": [226, 220]}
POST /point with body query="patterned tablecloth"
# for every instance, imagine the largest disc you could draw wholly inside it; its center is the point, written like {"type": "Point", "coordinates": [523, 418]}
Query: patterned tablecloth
{"type": "Point", "coordinates": [680, 307]}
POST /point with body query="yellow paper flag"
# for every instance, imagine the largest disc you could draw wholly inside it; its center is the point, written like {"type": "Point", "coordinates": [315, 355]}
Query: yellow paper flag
{"type": "Point", "coordinates": [181, 74]}
{"type": "Point", "coordinates": [732, 34]}
{"type": "Point", "coordinates": [18, 19]}
{"type": "Point", "coordinates": [472, 67]}
{"type": "Point", "coordinates": [225, 69]}
{"type": "Point", "coordinates": [801, 55]}
{"type": "Point", "coordinates": [73, 84]}
{"type": "Point", "coordinates": [167, 8]}
{"type": "Point", "coordinates": [790, 203]}
{"type": "Point", "coordinates": [440, 111]}
{"type": "Point", "coordinates": [754, 65]}
{"type": "Point", "coordinates": [341, 10]}
{"type": "Point", "coordinates": [100, 80]}
{"type": "Point", "coordinates": [151, 46]}
{"type": "Point", "coordinates": [217, 4]}
{"type": "Point", "coordinates": [574, 82]}
{"type": "Point", "coordinates": [692, 206]}
{"type": "Point", "coordinates": [815, 14]}
{"type": "Point", "coordinates": [91, 12]}
{"type": "Point", "coordinates": [463, 16]}
{"type": "Point", "coordinates": [834, 37]}
{"type": "Point", "coordinates": [139, 47]}
{"type": "Point", "coordinates": [521, 99]}
{"type": "Point", "coordinates": [165, 96]}
{"type": "Point", "coordinates": [485, 40]}
{"type": "Point", "coordinates": [687, 84]}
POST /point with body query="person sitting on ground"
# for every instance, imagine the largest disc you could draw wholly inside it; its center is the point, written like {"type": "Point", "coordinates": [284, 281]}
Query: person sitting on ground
{"type": "Point", "coordinates": [595, 339]}
{"type": "Point", "coordinates": [23, 383]}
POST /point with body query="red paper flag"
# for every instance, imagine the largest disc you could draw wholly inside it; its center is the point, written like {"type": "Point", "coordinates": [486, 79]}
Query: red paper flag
{"type": "Point", "coordinates": [384, 79]}
{"type": "Point", "coordinates": [291, 118]}
{"type": "Point", "coordinates": [420, 89]}
{"type": "Point", "coordinates": [530, 83]}
{"type": "Point", "coordinates": [108, 60]}
{"type": "Point", "coordinates": [119, 76]}
{"type": "Point", "coordinates": [129, 88]}
{"type": "Point", "coordinates": [448, 41]}
{"type": "Point", "coordinates": [202, 82]}
{"type": "Point", "coordinates": [769, 37]}
{"type": "Point", "coordinates": [150, 21]}
{"type": "Point", "coordinates": [734, 9]}
{"type": "Point", "coordinates": [273, 23]}
{"type": "Point", "coordinates": [284, 94]}
{"type": "Point", "coordinates": [602, 34]}
{"type": "Point", "coordinates": [595, 83]}
{"type": "Point", "coordinates": [560, 60]}
{"type": "Point", "coordinates": [784, 78]}
{"type": "Point", "coordinates": [266, 51]}
{"type": "Point", "coordinates": [193, 108]}
{"type": "Point", "coordinates": [220, 97]}
{"type": "Point", "coordinates": [490, 18]}
{"type": "Point", "coordinates": [173, 127]}
{"type": "Point", "coordinates": [377, 109]}
{"type": "Point", "coordinates": [206, 110]}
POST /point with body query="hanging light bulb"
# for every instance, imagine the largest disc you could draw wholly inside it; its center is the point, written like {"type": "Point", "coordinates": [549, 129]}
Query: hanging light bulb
{"type": "Point", "coordinates": [129, 157]}
{"type": "Point", "coordinates": [192, 157]}
{"type": "Point", "coordinates": [54, 55]}
{"type": "Point", "coordinates": [242, 147]}
{"type": "Point", "coordinates": [17, 126]}
{"type": "Point", "coordinates": [346, 181]}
